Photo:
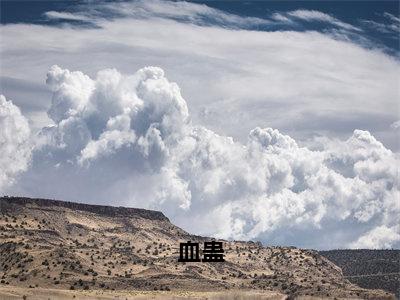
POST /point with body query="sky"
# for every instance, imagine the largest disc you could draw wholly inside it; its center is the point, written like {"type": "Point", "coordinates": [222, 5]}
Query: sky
{"type": "Point", "coordinates": [275, 121]}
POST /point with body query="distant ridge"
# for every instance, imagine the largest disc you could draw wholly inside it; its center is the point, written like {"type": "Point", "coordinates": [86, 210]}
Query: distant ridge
{"type": "Point", "coordinates": [110, 211]}
{"type": "Point", "coordinates": [369, 268]}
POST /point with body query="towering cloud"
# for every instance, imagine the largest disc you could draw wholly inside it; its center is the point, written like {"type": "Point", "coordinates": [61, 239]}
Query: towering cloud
{"type": "Point", "coordinates": [15, 148]}
{"type": "Point", "coordinates": [130, 139]}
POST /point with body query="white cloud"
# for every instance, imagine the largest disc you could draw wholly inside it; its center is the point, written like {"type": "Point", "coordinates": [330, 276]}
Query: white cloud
{"type": "Point", "coordinates": [314, 15]}
{"type": "Point", "coordinates": [71, 91]}
{"type": "Point", "coordinates": [395, 125]}
{"type": "Point", "coordinates": [55, 15]}
{"type": "Point", "coordinates": [378, 238]}
{"type": "Point", "coordinates": [281, 18]}
{"type": "Point", "coordinates": [108, 142]}
{"type": "Point", "coordinates": [382, 27]}
{"type": "Point", "coordinates": [391, 17]}
{"type": "Point", "coordinates": [199, 14]}
{"type": "Point", "coordinates": [131, 136]}
{"type": "Point", "coordinates": [15, 147]}
{"type": "Point", "coordinates": [390, 25]}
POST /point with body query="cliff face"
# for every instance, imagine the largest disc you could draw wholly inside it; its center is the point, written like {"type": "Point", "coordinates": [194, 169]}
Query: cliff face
{"type": "Point", "coordinates": [56, 244]}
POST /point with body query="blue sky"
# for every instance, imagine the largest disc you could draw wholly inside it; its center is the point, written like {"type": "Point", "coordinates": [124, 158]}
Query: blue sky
{"type": "Point", "coordinates": [277, 120]}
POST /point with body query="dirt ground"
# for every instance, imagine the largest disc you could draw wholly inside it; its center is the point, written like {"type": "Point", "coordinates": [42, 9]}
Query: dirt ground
{"type": "Point", "coordinates": [13, 292]}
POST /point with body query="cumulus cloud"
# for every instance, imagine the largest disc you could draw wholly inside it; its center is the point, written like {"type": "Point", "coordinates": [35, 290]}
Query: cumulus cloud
{"type": "Point", "coordinates": [378, 238]}
{"type": "Point", "coordinates": [15, 147]}
{"type": "Point", "coordinates": [130, 138]}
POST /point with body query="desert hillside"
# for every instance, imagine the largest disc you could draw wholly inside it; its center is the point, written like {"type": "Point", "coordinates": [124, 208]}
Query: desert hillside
{"type": "Point", "coordinates": [48, 244]}
{"type": "Point", "coordinates": [369, 268]}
